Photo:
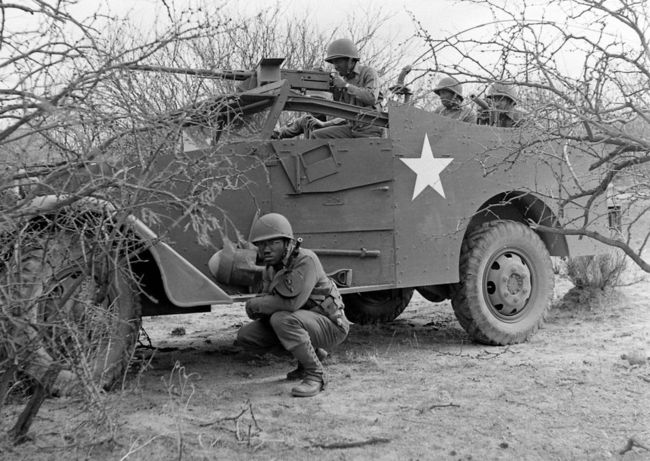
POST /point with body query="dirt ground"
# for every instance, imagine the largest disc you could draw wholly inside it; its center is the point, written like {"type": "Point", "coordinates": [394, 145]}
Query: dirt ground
{"type": "Point", "coordinates": [413, 389]}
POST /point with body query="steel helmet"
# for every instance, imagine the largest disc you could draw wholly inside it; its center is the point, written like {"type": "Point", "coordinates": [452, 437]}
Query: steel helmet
{"type": "Point", "coordinates": [501, 89]}
{"type": "Point", "coordinates": [451, 84]}
{"type": "Point", "coordinates": [342, 48]}
{"type": "Point", "coordinates": [271, 226]}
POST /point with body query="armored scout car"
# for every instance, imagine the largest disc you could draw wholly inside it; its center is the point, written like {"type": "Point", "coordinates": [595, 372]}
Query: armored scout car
{"type": "Point", "coordinates": [450, 209]}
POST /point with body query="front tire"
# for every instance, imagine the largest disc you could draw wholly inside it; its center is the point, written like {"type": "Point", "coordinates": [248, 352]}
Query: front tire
{"type": "Point", "coordinates": [506, 283]}
{"type": "Point", "coordinates": [376, 306]}
{"type": "Point", "coordinates": [84, 302]}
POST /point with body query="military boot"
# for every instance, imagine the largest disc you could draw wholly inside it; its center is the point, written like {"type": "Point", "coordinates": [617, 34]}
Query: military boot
{"type": "Point", "coordinates": [299, 372]}
{"type": "Point", "coordinates": [313, 380]}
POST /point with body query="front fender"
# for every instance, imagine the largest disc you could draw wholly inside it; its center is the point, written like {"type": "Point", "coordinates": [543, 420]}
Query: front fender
{"type": "Point", "coordinates": [184, 284]}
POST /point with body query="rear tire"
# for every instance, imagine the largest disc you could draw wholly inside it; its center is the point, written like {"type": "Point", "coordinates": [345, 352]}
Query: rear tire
{"type": "Point", "coordinates": [506, 283]}
{"type": "Point", "coordinates": [376, 306]}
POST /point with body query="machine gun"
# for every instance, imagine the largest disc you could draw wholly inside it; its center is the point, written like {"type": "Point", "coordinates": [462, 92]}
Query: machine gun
{"type": "Point", "coordinates": [268, 86]}
{"type": "Point", "coordinates": [400, 88]}
{"type": "Point", "coordinates": [267, 71]}
{"type": "Point", "coordinates": [486, 115]}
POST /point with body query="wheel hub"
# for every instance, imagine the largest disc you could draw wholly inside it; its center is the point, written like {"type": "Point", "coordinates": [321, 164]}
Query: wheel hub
{"type": "Point", "coordinates": [508, 284]}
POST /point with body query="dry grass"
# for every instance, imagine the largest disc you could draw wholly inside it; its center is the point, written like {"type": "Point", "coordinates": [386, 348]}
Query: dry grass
{"type": "Point", "coordinates": [600, 272]}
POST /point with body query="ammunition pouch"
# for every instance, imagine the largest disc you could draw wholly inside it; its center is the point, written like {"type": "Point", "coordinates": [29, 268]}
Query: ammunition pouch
{"type": "Point", "coordinates": [331, 307]}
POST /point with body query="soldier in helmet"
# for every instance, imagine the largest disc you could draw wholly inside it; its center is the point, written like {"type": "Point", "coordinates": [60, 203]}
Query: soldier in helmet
{"type": "Point", "coordinates": [450, 92]}
{"type": "Point", "coordinates": [501, 101]}
{"type": "Point", "coordinates": [353, 84]}
{"type": "Point", "coordinates": [300, 307]}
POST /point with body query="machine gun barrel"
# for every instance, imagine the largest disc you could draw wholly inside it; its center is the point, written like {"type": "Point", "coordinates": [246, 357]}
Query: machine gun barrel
{"type": "Point", "coordinates": [479, 102]}
{"type": "Point", "coordinates": [207, 73]}
{"type": "Point", "coordinates": [298, 79]}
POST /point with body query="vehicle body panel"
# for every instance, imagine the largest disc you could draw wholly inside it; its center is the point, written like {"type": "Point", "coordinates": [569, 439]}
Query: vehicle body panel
{"type": "Point", "coordinates": [361, 204]}
{"type": "Point", "coordinates": [352, 200]}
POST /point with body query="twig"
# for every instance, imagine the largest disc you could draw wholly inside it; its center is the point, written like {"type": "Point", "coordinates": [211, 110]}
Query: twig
{"type": "Point", "coordinates": [135, 448]}
{"type": "Point", "coordinates": [5, 381]}
{"type": "Point", "coordinates": [18, 433]}
{"type": "Point", "coordinates": [250, 407]}
{"type": "Point", "coordinates": [443, 405]}
{"type": "Point", "coordinates": [631, 443]}
{"type": "Point", "coordinates": [227, 418]}
{"type": "Point", "coordinates": [491, 355]}
{"type": "Point", "coordinates": [180, 444]}
{"type": "Point", "coordinates": [422, 409]}
{"type": "Point", "coordinates": [361, 443]}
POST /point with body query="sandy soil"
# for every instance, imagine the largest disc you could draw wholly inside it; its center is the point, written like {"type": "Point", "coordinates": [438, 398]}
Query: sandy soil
{"type": "Point", "coordinates": [412, 389]}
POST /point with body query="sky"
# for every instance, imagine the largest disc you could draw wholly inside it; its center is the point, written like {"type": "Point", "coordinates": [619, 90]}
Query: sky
{"type": "Point", "coordinates": [440, 16]}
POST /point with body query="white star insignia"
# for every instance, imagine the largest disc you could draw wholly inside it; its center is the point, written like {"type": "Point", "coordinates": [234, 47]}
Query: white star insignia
{"type": "Point", "coordinates": [428, 169]}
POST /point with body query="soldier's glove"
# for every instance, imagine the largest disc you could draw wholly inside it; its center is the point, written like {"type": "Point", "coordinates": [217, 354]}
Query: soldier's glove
{"type": "Point", "coordinates": [337, 80]}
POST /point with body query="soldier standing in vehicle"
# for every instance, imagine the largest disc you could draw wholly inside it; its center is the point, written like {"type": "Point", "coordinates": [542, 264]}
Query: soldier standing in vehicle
{"type": "Point", "coordinates": [354, 84]}
{"type": "Point", "coordinates": [501, 112]}
{"type": "Point", "coordinates": [300, 307]}
{"type": "Point", "coordinates": [450, 92]}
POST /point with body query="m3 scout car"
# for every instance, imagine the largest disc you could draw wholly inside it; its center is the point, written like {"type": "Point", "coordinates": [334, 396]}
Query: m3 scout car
{"type": "Point", "coordinates": [453, 210]}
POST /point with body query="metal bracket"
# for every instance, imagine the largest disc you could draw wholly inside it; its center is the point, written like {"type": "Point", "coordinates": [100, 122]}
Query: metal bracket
{"type": "Point", "coordinates": [310, 165]}
{"type": "Point", "coordinates": [341, 277]}
{"type": "Point", "coordinates": [319, 167]}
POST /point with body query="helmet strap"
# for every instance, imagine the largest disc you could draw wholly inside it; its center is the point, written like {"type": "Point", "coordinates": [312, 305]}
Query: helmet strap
{"type": "Point", "coordinates": [288, 252]}
{"type": "Point", "coordinates": [350, 67]}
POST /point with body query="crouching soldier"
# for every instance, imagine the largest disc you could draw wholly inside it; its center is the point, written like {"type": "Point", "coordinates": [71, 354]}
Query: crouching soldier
{"type": "Point", "coordinates": [299, 308]}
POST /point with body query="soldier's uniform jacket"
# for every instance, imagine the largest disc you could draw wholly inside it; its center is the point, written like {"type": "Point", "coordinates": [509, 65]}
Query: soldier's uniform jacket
{"type": "Point", "coordinates": [363, 90]}
{"type": "Point", "coordinates": [301, 284]}
{"type": "Point", "coordinates": [297, 127]}
{"type": "Point", "coordinates": [464, 114]}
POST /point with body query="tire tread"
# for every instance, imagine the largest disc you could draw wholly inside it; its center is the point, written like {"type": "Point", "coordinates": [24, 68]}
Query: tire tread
{"type": "Point", "coordinates": [474, 249]}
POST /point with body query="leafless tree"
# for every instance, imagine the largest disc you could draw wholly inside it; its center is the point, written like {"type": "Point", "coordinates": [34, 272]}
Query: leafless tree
{"type": "Point", "coordinates": [582, 69]}
{"type": "Point", "coordinates": [74, 128]}
{"type": "Point", "coordinates": [88, 141]}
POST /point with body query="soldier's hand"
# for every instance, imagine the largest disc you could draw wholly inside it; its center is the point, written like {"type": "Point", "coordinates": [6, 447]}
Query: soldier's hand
{"type": "Point", "coordinates": [337, 80]}
{"type": "Point", "coordinates": [252, 310]}
{"type": "Point", "coordinates": [313, 123]}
